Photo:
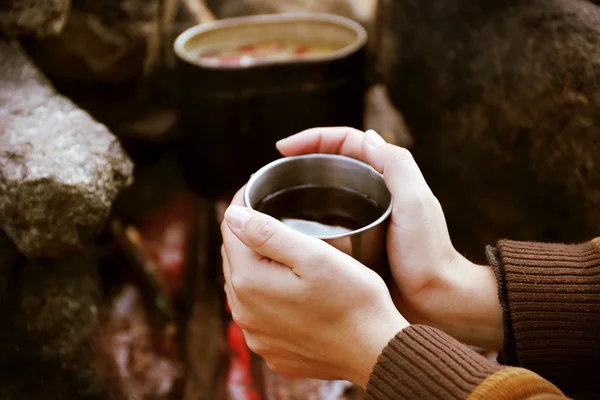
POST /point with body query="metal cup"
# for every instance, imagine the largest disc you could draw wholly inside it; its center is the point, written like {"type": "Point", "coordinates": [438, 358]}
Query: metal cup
{"type": "Point", "coordinates": [367, 244]}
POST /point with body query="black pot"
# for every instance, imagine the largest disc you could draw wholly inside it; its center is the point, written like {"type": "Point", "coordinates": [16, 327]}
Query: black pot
{"type": "Point", "coordinates": [232, 116]}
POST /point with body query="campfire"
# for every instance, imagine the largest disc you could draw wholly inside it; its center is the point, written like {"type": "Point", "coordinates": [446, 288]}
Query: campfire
{"type": "Point", "coordinates": [110, 278]}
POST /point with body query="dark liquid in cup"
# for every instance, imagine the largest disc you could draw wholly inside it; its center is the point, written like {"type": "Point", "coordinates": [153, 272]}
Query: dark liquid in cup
{"type": "Point", "coordinates": [321, 210]}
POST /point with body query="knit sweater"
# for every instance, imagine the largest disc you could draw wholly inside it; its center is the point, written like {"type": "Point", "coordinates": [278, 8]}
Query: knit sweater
{"type": "Point", "coordinates": [550, 296]}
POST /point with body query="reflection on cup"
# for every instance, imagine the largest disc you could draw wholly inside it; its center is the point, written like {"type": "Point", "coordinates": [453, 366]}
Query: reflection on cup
{"type": "Point", "coordinates": [338, 199]}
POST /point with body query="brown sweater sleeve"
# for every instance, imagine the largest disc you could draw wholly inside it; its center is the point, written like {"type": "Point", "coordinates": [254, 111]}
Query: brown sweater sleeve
{"type": "Point", "coordinates": [550, 295]}
{"type": "Point", "coordinates": [424, 363]}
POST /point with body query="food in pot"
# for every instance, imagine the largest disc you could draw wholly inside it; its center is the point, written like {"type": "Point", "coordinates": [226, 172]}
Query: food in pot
{"type": "Point", "coordinates": [249, 54]}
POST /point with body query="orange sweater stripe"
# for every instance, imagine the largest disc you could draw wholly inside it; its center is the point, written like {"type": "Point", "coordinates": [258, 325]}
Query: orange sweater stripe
{"type": "Point", "coordinates": [515, 384]}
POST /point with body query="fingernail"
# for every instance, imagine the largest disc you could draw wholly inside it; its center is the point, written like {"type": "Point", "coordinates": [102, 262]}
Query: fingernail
{"type": "Point", "coordinates": [237, 216]}
{"type": "Point", "coordinates": [373, 139]}
{"type": "Point", "coordinates": [281, 141]}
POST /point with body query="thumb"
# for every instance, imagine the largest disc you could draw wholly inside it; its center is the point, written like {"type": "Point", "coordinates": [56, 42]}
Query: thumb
{"type": "Point", "coordinates": [400, 171]}
{"type": "Point", "coordinates": [274, 240]}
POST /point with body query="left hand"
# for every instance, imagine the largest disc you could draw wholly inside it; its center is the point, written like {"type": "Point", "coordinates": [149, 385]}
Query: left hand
{"type": "Point", "coordinates": [434, 284]}
{"type": "Point", "coordinates": [308, 309]}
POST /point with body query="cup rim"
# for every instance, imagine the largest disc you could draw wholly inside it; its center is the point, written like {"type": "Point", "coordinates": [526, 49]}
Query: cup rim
{"type": "Point", "coordinates": [274, 164]}
{"type": "Point", "coordinates": [361, 39]}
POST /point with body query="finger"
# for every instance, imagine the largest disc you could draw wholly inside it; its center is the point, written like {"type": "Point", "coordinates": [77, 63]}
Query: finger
{"type": "Point", "coordinates": [231, 241]}
{"type": "Point", "coordinates": [250, 271]}
{"type": "Point", "coordinates": [235, 251]}
{"type": "Point", "coordinates": [336, 140]}
{"type": "Point", "coordinates": [401, 173]}
{"type": "Point", "coordinates": [272, 239]}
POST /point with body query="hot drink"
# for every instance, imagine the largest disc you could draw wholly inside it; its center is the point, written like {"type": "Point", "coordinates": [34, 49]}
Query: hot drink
{"type": "Point", "coordinates": [321, 210]}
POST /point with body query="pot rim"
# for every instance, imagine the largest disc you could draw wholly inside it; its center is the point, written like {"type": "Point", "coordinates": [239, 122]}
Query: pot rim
{"type": "Point", "coordinates": [256, 176]}
{"type": "Point", "coordinates": [263, 19]}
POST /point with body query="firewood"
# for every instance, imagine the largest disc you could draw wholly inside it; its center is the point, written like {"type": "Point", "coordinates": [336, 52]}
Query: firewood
{"type": "Point", "coordinates": [205, 342]}
{"type": "Point", "coordinates": [131, 243]}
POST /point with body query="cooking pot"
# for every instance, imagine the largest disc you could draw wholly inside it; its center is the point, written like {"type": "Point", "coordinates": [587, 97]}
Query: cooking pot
{"type": "Point", "coordinates": [232, 115]}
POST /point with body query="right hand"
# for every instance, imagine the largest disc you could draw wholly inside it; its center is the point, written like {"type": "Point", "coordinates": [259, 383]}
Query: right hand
{"type": "Point", "coordinates": [434, 284]}
{"type": "Point", "coordinates": [307, 308]}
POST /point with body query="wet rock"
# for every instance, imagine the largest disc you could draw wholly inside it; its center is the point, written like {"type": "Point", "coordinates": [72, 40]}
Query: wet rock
{"type": "Point", "coordinates": [503, 101]}
{"type": "Point", "coordinates": [59, 169]}
{"type": "Point", "coordinates": [37, 17]}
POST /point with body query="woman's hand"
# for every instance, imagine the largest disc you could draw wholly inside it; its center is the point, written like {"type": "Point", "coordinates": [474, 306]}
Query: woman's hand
{"type": "Point", "coordinates": [434, 284]}
{"type": "Point", "coordinates": [308, 309]}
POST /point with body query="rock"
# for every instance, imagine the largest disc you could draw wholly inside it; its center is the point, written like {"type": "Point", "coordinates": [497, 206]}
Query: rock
{"type": "Point", "coordinates": [50, 342]}
{"type": "Point", "coordinates": [110, 42]}
{"type": "Point", "coordinates": [59, 169]}
{"type": "Point", "coordinates": [503, 101]}
{"type": "Point", "coordinates": [36, 17]}
{"type": "Point", "coordinates": [115, 60]}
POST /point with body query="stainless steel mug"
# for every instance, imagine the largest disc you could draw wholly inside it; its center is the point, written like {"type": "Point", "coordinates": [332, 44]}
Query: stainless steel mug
{"type": "Point", "coordinates": [366, 244]}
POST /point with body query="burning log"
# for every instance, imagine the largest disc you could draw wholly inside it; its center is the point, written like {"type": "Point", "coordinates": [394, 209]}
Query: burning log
{"type": "Point", "coordinates": [146, 358]}
{"type": "Point", "coordinates": [205, 343]}
{"type": "Point", "coordinates": [60, 170]}
{"type": "Point", "coordinates": [130, 241]}
{"type": "Point", "coordinates": [37, 17]}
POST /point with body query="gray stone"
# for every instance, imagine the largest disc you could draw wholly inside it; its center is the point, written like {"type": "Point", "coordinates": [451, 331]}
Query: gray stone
{"type": "Point", "coordinates": [59, 169]}
{"type": "Point", "coordinates": [37, 17]}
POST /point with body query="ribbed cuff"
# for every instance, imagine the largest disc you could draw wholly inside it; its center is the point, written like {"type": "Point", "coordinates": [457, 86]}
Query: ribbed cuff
{"type": "Point", "coordinates": [424, 363]}
{"type": "Point", "coordinates": [551, 294]}
{"type": "Point", "coordinates": [508, 355]}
